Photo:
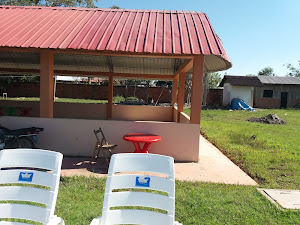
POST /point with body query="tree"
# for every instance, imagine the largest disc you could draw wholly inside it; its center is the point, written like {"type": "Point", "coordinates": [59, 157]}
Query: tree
{"type": "Point", "coordinates": [6, 79]}
{"type": "Point", "coordinates": [51, 3]}
{"type": "Point", "coordinates": [267, 71]}
{"type": "Point", "coordinates": [210, 81]}
{"type": "Point", "coordinates": [294, 72]}
{"type": "Point", "coordinates": [214, 79]}
{"type": "Point", "coordinates": [114, 7]}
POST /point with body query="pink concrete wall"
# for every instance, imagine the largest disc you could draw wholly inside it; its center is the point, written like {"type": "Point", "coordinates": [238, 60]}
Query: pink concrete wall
{"type": "Point", "coordinates": [184, 118]}
{"type": "Point", "coordinates": [80, 111]}
{"type": "Point", "coordinates": [142, 113]}
{"type": "Point", "coordinates": [96, 111]}
{"type": "Point", "coordinates": [35, 107]}
{"type": "Point", "coordinates": [174, 113]}
{"type": "Point", "coordinates": [75, 136]}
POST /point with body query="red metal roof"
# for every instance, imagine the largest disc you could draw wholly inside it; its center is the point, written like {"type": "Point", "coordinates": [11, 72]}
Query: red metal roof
{"type": "Point", "coordinates": [139, 31]}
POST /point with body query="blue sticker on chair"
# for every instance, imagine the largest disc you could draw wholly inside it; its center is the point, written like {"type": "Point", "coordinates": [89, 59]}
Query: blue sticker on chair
{"type": "Point", "coordinates": [142, 181]}
{"type": "Point", "coordinates": [25, 176]}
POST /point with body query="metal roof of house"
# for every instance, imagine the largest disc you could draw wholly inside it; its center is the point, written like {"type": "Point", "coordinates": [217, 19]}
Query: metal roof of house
{"type": "Point", "coordinates": [251, 81]}
{"type": "Point", "coordinates": [113, 30]}
{"type": "Point", "coordinates": [279, 80]}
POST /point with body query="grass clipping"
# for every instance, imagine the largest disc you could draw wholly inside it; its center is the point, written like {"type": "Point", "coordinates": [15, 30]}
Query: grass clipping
{"type": "Point", "coordinates": [269, 119]}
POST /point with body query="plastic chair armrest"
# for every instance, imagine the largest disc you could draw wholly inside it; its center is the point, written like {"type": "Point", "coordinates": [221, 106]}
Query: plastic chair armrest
{"type": "Point", "coordinates": [96, 221]}
{"type": "Point", "coordinates": [56, 221]}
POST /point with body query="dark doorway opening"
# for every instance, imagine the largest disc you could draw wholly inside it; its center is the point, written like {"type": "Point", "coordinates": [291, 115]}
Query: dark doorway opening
{"type": "Point", "coordinates": [283, 100]}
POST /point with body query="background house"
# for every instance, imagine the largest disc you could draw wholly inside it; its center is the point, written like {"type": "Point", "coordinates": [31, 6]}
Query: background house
{"type": "Point", "coordinates": [241, 87]}
{"type": "Point", "coordinates": [278, 92]}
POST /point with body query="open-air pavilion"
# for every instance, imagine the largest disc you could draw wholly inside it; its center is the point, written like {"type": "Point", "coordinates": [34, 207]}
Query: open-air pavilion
{"type": "Point", "coordinates": [112, 43]}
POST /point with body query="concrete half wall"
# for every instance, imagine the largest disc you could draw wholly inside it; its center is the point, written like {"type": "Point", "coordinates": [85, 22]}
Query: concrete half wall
{"type": "Point", "coordinates": [75, 137]}
{"type": "Point", "coordinates": [95, 111]}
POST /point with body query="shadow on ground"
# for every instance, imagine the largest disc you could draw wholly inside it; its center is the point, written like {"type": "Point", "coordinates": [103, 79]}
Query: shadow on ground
{"type": "Point", "coordinates": [83, 163]}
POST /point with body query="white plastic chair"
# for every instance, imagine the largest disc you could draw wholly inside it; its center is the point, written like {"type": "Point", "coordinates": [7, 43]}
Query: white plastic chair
{"type": "Point", "coordinates": [125, 203]}
{"type": "Point", "coordinates": [29, 176]}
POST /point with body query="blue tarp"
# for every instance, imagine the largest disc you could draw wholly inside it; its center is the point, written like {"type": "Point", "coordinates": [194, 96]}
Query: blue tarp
{"type": "Point", "coordinates": [240, 104]}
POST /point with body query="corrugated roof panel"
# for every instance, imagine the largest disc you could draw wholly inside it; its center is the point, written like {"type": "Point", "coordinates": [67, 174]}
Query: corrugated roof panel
{"type": "Point", "coordinates": [211, 36]}
{"type": "Point", "coordinates": [74, 31]}
{"type": "Point", "coordinates": [140, 31]}
{"type": "Point", "coordinates": [110, 28]}
{"type": "Point", "coordinates": [123, 40]}
{"type": "Point", "coordinates": [279, 80]}
{"type": "Point", "coordinates": [55, 33]}
{"type": "Point", "coordinates": [167, 38]}
{"type": "Point", "coordinates": [192, 32]}
{"type": "Point", "coordinates": [203, 44]}
{"type": "Point", "coordinates": [68, 29]}
{"type": "Point", "coordinates": [184, 36]}
{"type": "Point", "coordinates": [140, 41]}
{"type": "Point", "coordinates": [159, 30]}
{"type": "Point", "coordinates": [149, 41]}
{"type": "Point", "coordinates": [133, 35]}
{"type": "Point", "coordinates": [116, 36]}
{"type": "Point", "coordinates": [175, 34]}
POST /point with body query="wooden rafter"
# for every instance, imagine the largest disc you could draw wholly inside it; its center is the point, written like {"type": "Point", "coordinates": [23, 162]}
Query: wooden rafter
{"type": "Point", "coordinates": [88, 73]}
{"type": "Point", "coordinates": [94, 52]}
{"type": "Point", "coordinates": [185, 66]}
{"type": "Point", "coordinates": [109, 64]}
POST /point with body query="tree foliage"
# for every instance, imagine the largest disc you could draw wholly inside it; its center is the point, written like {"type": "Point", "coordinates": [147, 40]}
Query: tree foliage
{"type": "Point", "coordinates": [267, 71]}
{"type": "Point", "coordinates": [9, 79]}
{"type": "Point", "coordinates": [51, 3]}
{"type": "Point", "coordinates": [294, 71]}
{"type": "Point", "coordinates": [114, 7]}
{"type": "Point", "coordinates": [214, 79]}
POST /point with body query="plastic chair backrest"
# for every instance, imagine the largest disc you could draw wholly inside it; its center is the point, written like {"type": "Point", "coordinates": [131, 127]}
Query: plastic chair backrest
{"type": "Point", "coordinates": [130, 173]}
{"type": "Point", "coordinates": [29, 176]}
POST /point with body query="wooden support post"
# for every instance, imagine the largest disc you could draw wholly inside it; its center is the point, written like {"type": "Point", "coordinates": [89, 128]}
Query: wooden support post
{"type": "Point", "coordinates": [197, 89]}
{"type": "Point", "coordinates": [46, 84]}
{"type": "Point", "coordinates": [110, 97]}
{"type": "Point", "coordinates": [174, 96]}
{"type": "Point", "coordinates": [181, 94]}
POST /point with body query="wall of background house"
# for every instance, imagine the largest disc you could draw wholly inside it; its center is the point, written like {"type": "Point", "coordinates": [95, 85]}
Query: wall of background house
{"type": "Point", "coordinates": [90, 111]}
{"type": "Point", "coordinates": [274, 102]}
{"type": "Point", "coordinates": [226, 94]}
{"type": "Point", "coordinates": [75, 137]}
{"type": "Point", "coordinates": [241, 92]}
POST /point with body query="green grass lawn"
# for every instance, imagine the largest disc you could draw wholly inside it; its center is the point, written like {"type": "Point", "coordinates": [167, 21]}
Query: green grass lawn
{"type": "Point", "coordinates": [273, 158]}
{"type": "Point", "coordinates": [80, 200]}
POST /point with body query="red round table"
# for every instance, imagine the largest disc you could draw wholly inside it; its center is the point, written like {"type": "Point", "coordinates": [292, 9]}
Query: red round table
{"type": "Point", "coordinates": [137, 138]}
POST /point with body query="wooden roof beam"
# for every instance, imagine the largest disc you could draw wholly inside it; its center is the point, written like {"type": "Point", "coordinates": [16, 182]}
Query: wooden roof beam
{"type": "Point", "coordinates": [97, 52]}
{"type": "Point", "coordinates": [185, 66]}
{"type": "Point", "coordinates": [87, 73]}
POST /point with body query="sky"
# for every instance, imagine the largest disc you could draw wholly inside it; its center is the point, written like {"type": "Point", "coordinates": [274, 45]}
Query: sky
{"type": "Point", "coordinates": [256, 33]}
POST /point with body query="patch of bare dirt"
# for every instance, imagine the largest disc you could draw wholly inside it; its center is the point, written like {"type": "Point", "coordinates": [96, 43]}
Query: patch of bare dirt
{"type": "Point", "coordinates": [269, 119]}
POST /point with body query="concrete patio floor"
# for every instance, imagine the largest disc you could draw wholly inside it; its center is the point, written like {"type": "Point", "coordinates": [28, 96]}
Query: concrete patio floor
{"type": "Point", "coordinates": [212, 167]}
